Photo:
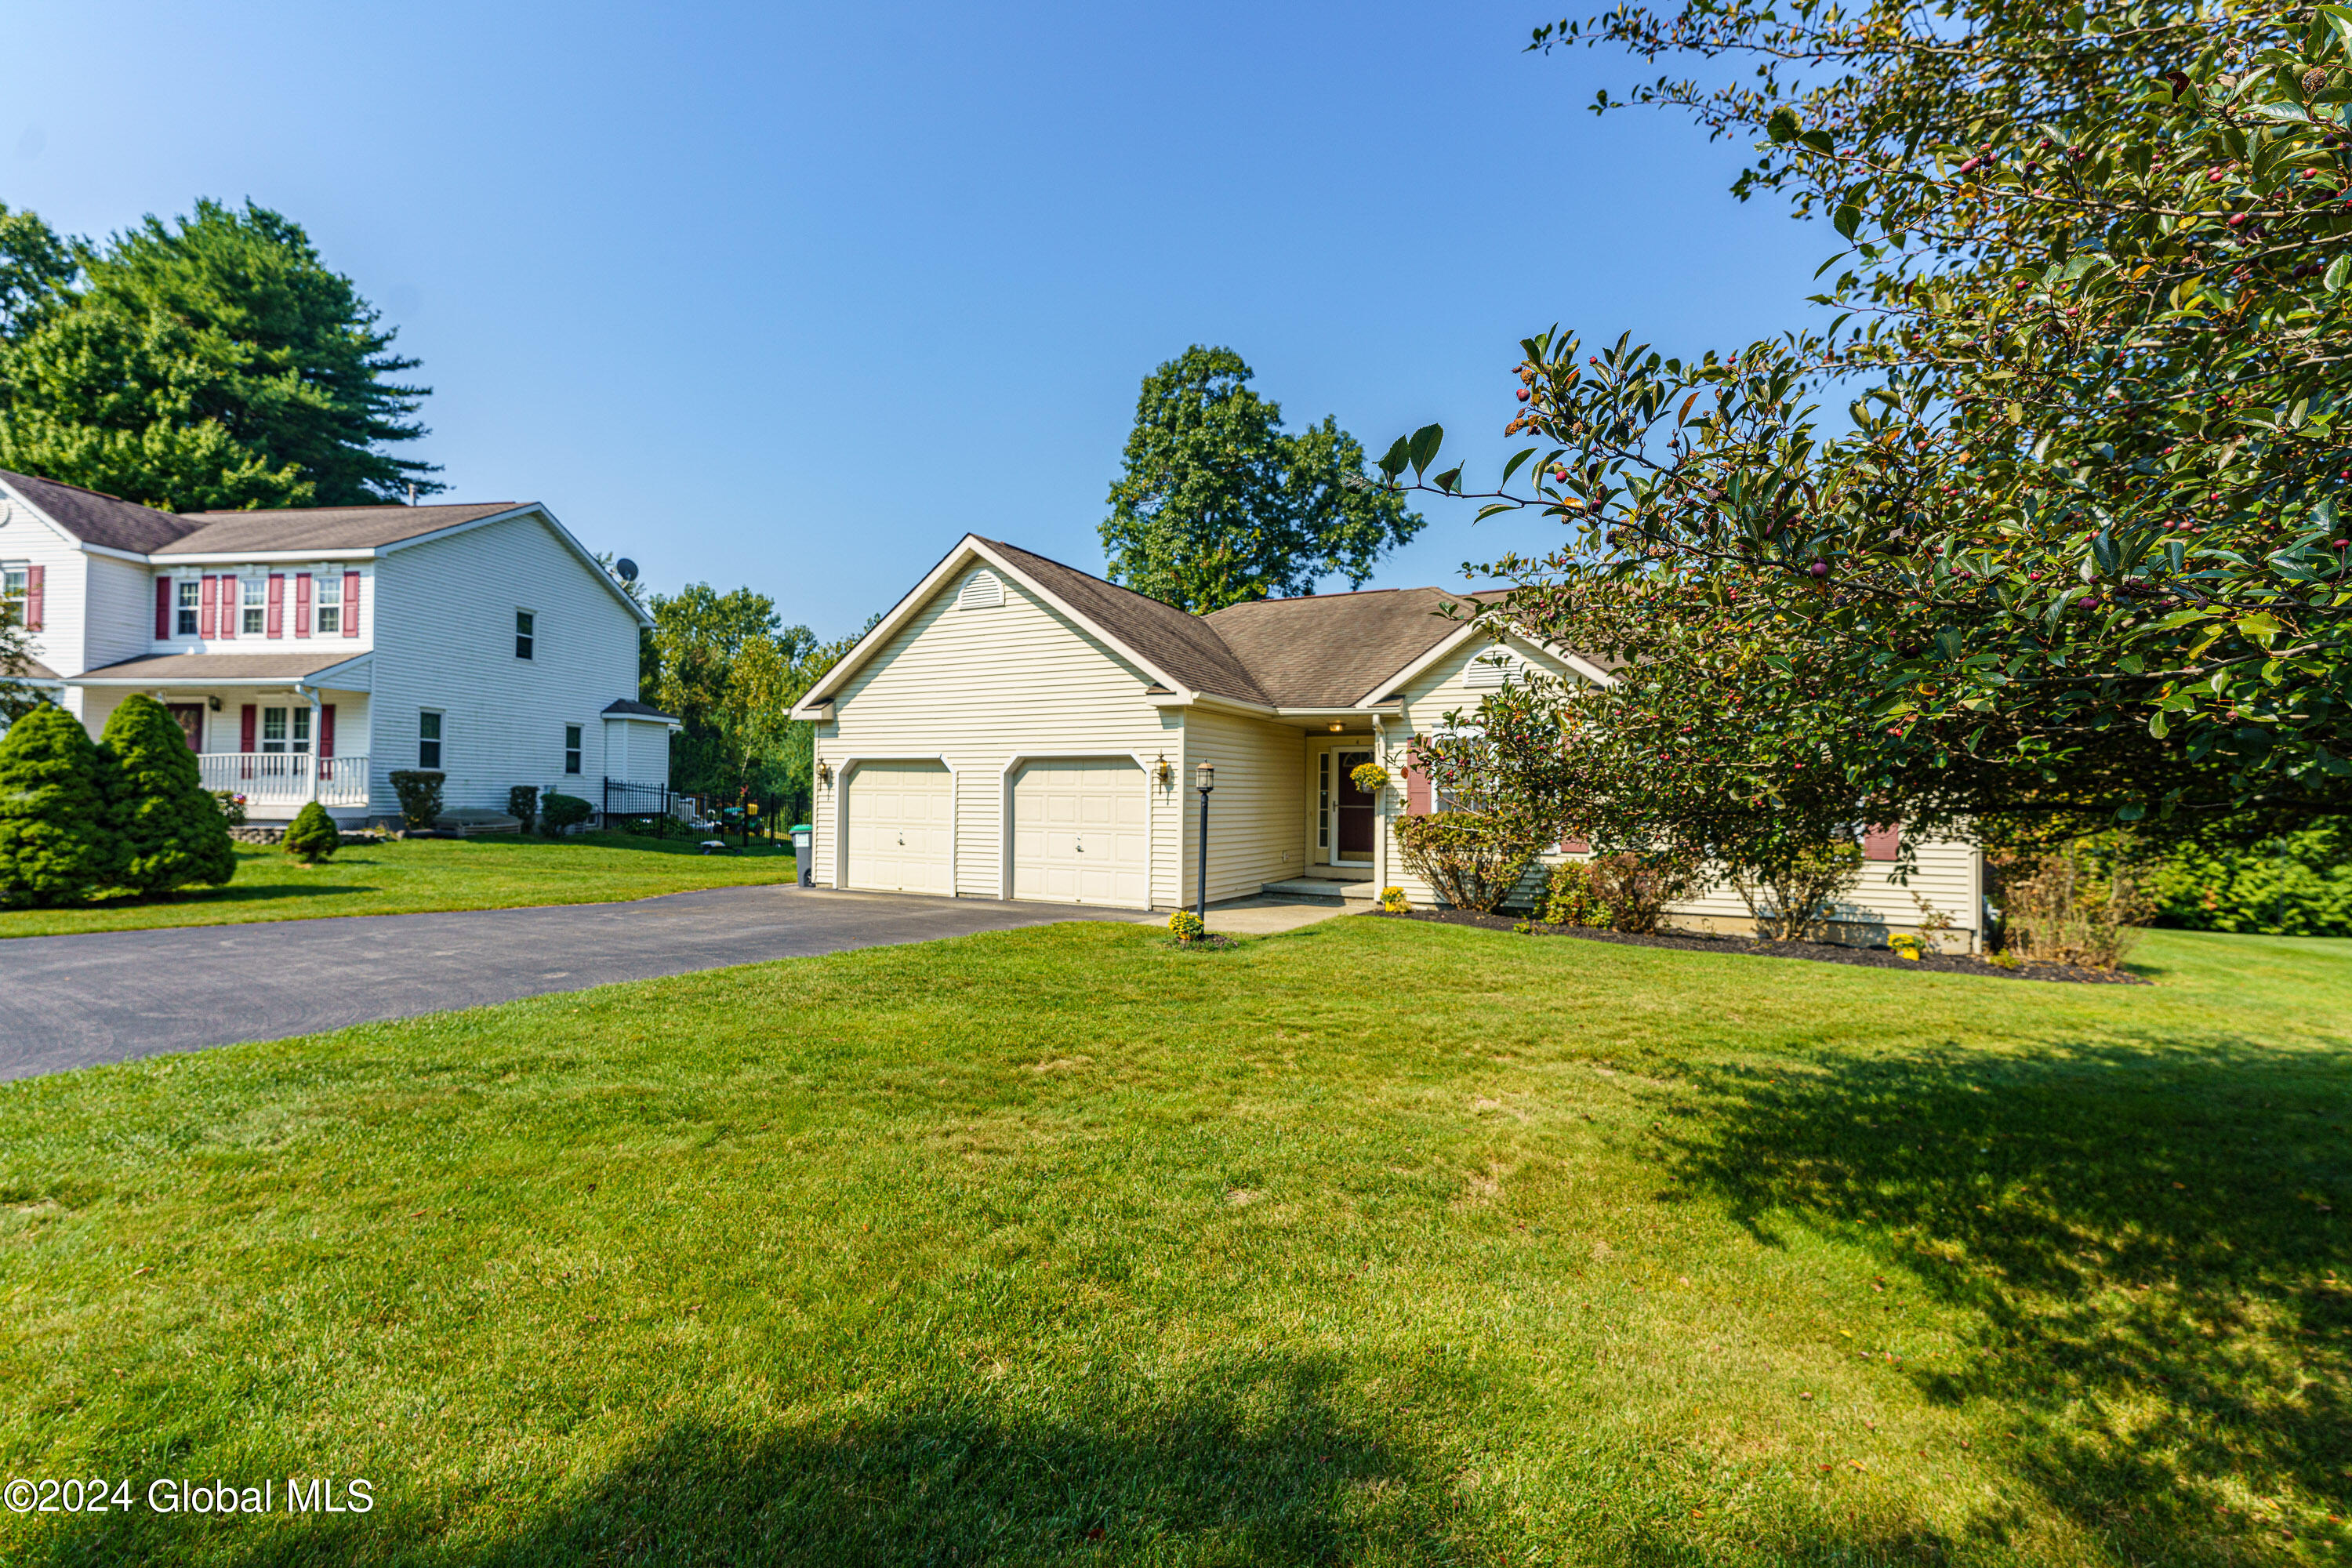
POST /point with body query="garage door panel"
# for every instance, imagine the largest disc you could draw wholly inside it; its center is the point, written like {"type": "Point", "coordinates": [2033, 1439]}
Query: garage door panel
{"type": "Point", "coordinates": [1078, 833]}
{"type": "Point", "coordinates": [900, 818]}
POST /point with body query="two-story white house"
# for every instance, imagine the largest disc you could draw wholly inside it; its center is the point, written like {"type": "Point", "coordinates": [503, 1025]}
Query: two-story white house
{"type": "Point", "coordinates": [310, 653]}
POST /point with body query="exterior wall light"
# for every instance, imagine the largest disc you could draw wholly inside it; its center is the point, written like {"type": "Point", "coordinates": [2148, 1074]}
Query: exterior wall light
{"type": "Point", "coordinates": [825, 774]}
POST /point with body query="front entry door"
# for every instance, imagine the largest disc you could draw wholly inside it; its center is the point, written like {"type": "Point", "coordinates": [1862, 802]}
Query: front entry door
{"type": "Point", "coordinates": [191, 715]}
{"type": "Point", "coordinates": [1354, 838]}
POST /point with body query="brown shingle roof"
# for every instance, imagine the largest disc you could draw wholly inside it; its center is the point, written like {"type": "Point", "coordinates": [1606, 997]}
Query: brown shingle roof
{"type": "Point", "coordinates": [105, 521]}
{"type": "Point", "coordinates": [206, 668]}
{"type": "Point", "coordinates": [1186, 647]}
{"type": "Point", "coordinates": [322, 526]}
{"type": "Point", "coordinates": [1325, 650]}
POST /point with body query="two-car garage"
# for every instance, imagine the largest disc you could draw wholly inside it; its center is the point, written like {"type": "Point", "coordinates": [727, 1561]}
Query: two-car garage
{"type": "Point", "coordinates": [1078, 830]}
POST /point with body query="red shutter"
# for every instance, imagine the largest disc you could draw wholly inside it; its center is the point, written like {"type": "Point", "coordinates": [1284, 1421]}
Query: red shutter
{"type": "Point", "coordinates": [277, 604]}
{"type": "Point", "coordinates": [232, 605]}
{"type": "Point", "coordinates": [246, 716]}
{"type": "Point", "coordinates": [163, 608]}
{"type": "Point", "coordinates": [326, 728]}
{"type": "Point", "coordinates": [350, 604]}
{"type": "Point", "coordinates": [208, 610]}
{"type": "Point", "coordinates": [1416, 792]}
{"type": "Point", "coordinates": [1882, 843]}
{"type": "Point", "coordinates": [1574, 846]}
{"type": "Point", "coordinates": [34, 576]}
{"type": "Point", "coordinates": [301, 604]}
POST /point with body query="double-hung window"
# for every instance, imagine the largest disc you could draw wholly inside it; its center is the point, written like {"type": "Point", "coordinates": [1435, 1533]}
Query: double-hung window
{"type": "Point", "coordinates": [571, 748]}
{"type": "Point", "coordinates": [273, 728]}
{"type": "Point", "coordinates": [286, 730]}
{"type": "Point", "coordinates": [13, 590]}
{"type": "Point", "coordinates": [330, 603]}
{"type": "Point", "coordinates": [186, 599]}
{"type": "Point", "coordinates": [428, 740]}
{"type": "Point", "coordinates": [526, 633]}
{"type": "Point", "coordinates": [252, 606]}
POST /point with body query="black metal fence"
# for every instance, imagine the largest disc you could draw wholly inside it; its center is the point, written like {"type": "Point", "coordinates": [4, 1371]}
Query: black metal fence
{"type": "Point", "coordinates": [626, 799]}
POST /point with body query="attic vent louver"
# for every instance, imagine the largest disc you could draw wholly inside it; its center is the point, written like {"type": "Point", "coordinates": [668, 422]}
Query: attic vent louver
{"type": "Point", "coordinates": [982, 591]}
{"type": "Point", "coordinates": [1495, 667]}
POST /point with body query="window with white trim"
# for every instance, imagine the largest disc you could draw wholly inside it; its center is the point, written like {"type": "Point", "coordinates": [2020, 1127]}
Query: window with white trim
{"type": "Point", "coordinates": [252, 604]}
{"type": "Point", "coordinates": [571, 748]}
{"type": "Point", "coordinates": [14, 579]}
{"type": "Point", "coordinates": [186, 599]}
{"type": "Point", "coordinates": [328, 614]}
{"type": "Point", "coordinates": [526, 633]}
{"type": "Point", "coordinates": [428, 740]}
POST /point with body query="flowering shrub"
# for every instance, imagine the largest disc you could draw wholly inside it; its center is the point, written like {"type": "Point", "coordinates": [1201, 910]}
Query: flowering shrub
{"type": "Point", "coordinates": [1393, 901]}
{"type": "Point", "coordinates": [1905, 945]}
{"type": "Point", "coordinates": [1570, 900]}
{"type": "Point", "coordinates": [1471, 863]}
{"type": "Point", "coordinates": [1187, 926]}
{"type": "Point", "coordinates": [232, 805]}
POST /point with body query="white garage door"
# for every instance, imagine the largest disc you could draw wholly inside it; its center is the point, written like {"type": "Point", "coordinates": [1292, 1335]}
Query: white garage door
{"type": "Point", "coordinates": [901, 817]}
{"type": "Point", "coordinates": [1078, 834]}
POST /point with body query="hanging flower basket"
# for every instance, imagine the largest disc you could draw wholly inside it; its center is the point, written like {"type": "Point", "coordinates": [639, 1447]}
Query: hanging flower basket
{"type": "Point", "coordinates": [1371, 778]}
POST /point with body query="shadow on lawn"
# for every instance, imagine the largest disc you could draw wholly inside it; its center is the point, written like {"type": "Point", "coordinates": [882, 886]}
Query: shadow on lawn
{"type": "Point", "coordinates": [2154, 1240]}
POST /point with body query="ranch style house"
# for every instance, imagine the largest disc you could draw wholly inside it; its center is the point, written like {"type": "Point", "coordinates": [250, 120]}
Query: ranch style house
{"type": "Point", "coordinates": [1017, 729]}
{"type": "Point", "coordinates": [311, 652]}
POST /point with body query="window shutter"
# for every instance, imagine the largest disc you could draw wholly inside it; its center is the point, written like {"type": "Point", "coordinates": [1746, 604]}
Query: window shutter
{"type": "Point", "coordinates": [1416, 792]}
{"type": "Point", "coordinates": [1574, 846]}
{"type": "Point", "coordinates": [34, 593]}
{"type": "Point", "coordinates": [163, 608]}
{"type": "Point", "coordinates": [350, 604]}
{"type": "Point", "coordinates": [246, 716]}
{"type": "Point", "coordinates": [277, 604]}
{"type": "Point", "coordinates": [326, 728]}
{"type": "Point", "coordinates": [301, 604]}
{"type": "Point", "coordinates": [232, 605]}
{"type": "Point", "coordinates": [208, 609]}
{"type": "Point", "coordinates": [1882, 843]}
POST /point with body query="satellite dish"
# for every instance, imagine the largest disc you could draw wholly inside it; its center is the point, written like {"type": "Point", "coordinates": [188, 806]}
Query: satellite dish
{"type": "Point", "coordinates": [625, 569]}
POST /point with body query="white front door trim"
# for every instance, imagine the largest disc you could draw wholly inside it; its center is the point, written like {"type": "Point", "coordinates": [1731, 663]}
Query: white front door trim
{"type": "Point", "coordinates": [844, 766]}
{"type": "Point", "coordinates": [1014, 764]}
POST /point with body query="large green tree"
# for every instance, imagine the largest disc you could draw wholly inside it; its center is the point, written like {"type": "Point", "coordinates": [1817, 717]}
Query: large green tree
{"type": "Point", "coordinates": [212, 362]}
{"type": "Point", "coordinates": [1219, 505]}
{"type": "Point", "coordinates": [2074, 550]}
{"type": "Point", "coordinates": [730, 669]}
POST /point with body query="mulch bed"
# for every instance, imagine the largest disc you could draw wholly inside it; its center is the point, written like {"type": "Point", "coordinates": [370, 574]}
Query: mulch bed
{"type": "Point", "coordinates": [1814, 952]}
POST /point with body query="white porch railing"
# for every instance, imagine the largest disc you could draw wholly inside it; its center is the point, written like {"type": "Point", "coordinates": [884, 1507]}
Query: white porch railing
{"type": "Point", "coordinates": [270, 779]}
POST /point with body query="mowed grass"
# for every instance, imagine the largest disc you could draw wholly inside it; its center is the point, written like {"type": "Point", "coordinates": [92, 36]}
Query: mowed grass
{"type": "Point", "coordinates": [1380, 1242]}
{"type": "Point", "coordinates": [410, 876]}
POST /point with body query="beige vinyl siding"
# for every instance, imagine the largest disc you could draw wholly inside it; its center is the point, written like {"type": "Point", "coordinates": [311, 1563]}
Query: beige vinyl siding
{"type": "Point", "coordinates": [1947, 875]}
{"type": "Point", "coordinates": [981, 689]}
{"type": "Point", "coordinates": [1258, 809]}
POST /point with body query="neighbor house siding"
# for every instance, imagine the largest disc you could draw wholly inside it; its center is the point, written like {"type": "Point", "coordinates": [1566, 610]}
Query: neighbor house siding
{"type": "Point", "coordinates": [61, 642]}
{"type": "Point", "coordinates": [1947, 875]}
{"type": "Point", "coordinates": [118, 610]}
{"type": "Point", "coordinates": [448, 609]}
{"type": "Point", "coordinates": [980, 687]}
{"type": "Point", "coordinates": [1257, 808]}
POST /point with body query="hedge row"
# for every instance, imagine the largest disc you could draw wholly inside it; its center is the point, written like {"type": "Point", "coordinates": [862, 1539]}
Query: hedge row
{"type": "Point", "coordinates": [128, 811]}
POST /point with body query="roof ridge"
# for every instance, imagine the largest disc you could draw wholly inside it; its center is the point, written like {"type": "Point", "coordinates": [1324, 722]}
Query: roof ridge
{"type": "Point", "coordinates": [369, 505]}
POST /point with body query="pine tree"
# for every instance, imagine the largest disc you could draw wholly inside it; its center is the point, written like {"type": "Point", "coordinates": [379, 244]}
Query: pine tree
{"type": "Point", "coordinates": [57, 846]}
{"type": "Point", "coordinates": [313, 836]}
{"type": "Point", "coordinates": [170, 829]}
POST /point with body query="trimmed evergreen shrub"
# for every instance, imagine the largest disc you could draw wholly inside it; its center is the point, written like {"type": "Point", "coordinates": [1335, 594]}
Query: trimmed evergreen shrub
{"type": "Point", "coordinates": [557, 811]}
{"type": "Point", "coordinates": [522, 804]}
{"type": "Point", "coordinates": [313, 836]}
{"type": "Point", "coordinates": [420, 796]}
{"type": "Point", "coordinates": [169, 825]}
{"type": "Point", "coordinates": [55, 844]}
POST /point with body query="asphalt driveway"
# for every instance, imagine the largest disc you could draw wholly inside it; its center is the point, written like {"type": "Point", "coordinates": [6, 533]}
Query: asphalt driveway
{"type": "Point", "coordinates": [76, 1001]}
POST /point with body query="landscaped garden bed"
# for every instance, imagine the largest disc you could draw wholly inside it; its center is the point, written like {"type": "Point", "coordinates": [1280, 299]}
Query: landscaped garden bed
{"type": "Point", "coordinates": [1817, 951]}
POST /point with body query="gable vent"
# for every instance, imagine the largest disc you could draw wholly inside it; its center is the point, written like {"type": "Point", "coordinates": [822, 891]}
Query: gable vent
{"type": "Point", "coordinates": [982, 591]}
{"type": "Point", "coordinates": [1495, 667]}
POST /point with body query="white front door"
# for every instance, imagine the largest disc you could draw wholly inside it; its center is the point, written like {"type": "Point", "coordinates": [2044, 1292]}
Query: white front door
{"type": "Point", "coordinates": [1078, 833]}
{"type": "Point", "coordinates": [901, 819]}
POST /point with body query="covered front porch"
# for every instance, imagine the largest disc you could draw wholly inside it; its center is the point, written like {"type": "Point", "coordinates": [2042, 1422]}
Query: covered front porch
{"type": "Point", "coordinates": [279, 731]}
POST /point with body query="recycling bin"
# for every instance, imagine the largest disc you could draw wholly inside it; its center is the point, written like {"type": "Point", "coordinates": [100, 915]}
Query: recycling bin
{"type": "Point", "coordinates": [802, 834]}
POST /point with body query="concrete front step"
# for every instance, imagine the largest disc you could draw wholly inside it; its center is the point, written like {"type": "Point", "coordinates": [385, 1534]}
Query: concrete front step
{"type": "Point", "coordinates": [1331, 888]}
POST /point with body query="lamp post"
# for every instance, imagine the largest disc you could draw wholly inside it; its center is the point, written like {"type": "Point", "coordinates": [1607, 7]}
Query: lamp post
{"type": "Point", "coordinates": [1207, 773]}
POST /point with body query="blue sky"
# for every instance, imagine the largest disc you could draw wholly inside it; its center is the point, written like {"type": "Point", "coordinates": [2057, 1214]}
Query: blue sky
{"type": "Point", "coordinates": [794, 296]}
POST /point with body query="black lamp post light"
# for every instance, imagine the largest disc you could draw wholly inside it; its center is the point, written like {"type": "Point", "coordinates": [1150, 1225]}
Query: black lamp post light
{"type": "Point", "coordinates": [1207, 773]}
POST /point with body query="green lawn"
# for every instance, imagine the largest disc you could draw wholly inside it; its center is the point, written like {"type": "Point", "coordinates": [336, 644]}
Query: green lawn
{"type": "Point", "coordinates": [411, 875]}
{"type": "Point", "coordinates": [1377, 1242]}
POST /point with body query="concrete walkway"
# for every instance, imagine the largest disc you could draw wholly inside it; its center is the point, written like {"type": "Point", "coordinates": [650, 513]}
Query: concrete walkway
{"type": "Point", "coordinates": [76, 1001]}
